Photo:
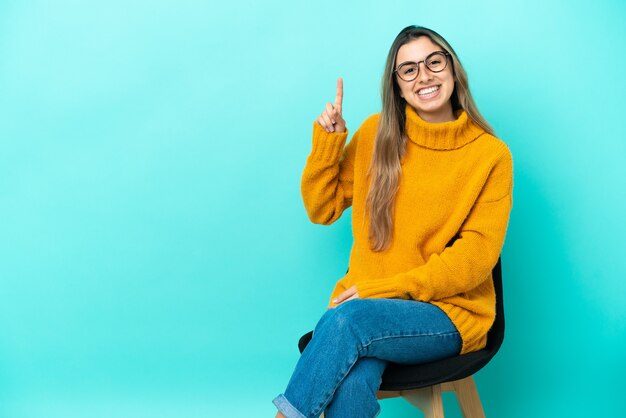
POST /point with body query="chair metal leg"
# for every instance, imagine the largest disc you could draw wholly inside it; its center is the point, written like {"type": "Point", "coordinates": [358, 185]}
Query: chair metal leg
{"type": "Point", "coordinates": [468, 398]}
{"type": "Point", "coordinates": [428, 400]}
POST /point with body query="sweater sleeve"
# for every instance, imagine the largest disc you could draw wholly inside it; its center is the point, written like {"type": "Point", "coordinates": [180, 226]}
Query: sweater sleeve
{"type": "Point", "coordinates": [328, 175]}
{"type": "Point", "coordinates": [468, 261]}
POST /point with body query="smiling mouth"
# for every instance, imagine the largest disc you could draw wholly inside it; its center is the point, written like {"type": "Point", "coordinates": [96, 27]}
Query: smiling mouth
{"type": "Point", "coordinates": [428, 91]}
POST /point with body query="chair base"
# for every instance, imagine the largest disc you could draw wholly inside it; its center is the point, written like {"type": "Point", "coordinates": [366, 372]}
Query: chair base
{"type": "Point", "coordinates": [429, 400]}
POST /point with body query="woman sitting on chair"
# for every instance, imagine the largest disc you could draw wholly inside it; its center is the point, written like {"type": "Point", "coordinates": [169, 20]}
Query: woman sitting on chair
{"type": "Point", "coordinates": [431, 192]}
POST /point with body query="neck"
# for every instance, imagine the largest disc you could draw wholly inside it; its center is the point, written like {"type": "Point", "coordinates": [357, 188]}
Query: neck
{"type": "Point", "coordinates": [445, 115]}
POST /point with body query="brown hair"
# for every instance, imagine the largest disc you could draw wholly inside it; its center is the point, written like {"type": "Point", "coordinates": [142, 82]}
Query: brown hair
{"type": "Point", "coordinates": [390, 144]}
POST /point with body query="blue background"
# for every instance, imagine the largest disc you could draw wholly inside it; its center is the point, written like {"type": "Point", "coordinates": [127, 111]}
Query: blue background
{"type": "Point", "coordinates": [155, 256]}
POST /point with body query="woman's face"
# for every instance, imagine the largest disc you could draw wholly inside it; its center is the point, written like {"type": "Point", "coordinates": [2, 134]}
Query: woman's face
{"type": "Point", "coordinates": [435, 106]}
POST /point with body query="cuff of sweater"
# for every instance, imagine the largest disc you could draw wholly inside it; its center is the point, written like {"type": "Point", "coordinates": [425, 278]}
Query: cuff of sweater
{"type": "Point", "coordinates": [327, 146]}
{"type": "Point", "coordinates": [387, 288]}
{"type": "Point", "coordinates": [377, 288]}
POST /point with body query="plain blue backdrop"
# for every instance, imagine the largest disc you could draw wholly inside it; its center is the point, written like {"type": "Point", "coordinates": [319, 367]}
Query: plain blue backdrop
{"type": "Point", "coordinates": [155, 256]}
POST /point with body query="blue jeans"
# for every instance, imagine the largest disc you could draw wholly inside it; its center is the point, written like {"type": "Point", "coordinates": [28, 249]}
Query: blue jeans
{"type": "Point", "coordinates": [340, 370]}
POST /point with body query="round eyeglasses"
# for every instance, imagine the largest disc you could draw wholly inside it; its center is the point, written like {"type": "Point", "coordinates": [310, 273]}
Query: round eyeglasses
{"type": "Point", "coordinates": [435, 62]}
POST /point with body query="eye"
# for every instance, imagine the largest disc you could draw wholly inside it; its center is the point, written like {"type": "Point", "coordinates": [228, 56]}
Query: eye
{"type": "Point", "coordinates": [407, 69]}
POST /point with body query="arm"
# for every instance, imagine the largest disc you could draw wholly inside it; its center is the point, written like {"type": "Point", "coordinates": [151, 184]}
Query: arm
{"type": "Point", "coordinates": [468, 262]}
{"type": "Point", "coordinates": [328, 175]}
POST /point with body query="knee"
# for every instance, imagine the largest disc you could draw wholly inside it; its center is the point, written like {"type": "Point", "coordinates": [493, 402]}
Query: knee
{"type": "Point", "coordinates": [344, 317]}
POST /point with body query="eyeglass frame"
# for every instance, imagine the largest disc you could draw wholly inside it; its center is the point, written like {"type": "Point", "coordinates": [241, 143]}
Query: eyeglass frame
{"type": "Point", "coordinates": [417, 64]}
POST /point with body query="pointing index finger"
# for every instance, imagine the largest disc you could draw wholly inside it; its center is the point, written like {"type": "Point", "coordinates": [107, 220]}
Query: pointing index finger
{"type": "Point", "coordinates": [339, 96]}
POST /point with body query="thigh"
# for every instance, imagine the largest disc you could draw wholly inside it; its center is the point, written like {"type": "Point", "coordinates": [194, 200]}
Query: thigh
{"type": "Point", "coordinates": [401, 331]}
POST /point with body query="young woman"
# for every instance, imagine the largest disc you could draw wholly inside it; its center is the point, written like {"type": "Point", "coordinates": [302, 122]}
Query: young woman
{"type": "Point", "coordinates": [430, 188]}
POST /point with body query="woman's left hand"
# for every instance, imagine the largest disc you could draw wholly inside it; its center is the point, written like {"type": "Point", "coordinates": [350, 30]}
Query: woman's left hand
{"type": "Point", "coordinates": [350, 293]}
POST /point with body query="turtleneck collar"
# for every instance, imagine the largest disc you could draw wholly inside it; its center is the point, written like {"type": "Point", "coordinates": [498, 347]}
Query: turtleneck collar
{"type": "Point", "coordinates": [441, 136]}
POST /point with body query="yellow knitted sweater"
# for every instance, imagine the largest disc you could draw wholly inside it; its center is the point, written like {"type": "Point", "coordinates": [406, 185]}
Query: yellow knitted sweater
{"type": "Point", "coordinates": [450, 215]}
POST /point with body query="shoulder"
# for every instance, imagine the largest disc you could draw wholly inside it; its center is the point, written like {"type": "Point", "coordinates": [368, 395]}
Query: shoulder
{"type": "Point", "coordinates": [499, 162]}
{"type": "Point", "coordinates": [493, 161]}
{"type": "Point", "coordinates": [366, 133]}
{"type": "Point", "coordinates": [372, 120]}
{"type": "Point", "coordinates": [494, 147]}
{"type": "Point", "coordinates": [370, 124]}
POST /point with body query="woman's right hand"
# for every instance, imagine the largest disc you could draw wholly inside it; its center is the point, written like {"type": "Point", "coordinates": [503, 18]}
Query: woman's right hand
{"type": "Point", "coordinates": [331, 119]}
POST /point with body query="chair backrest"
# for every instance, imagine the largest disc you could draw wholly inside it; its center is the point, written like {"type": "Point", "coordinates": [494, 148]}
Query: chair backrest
{"type": "Point", "coordinates": [496, 333]}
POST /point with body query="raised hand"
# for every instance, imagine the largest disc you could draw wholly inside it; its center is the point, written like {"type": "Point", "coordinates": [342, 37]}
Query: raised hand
{"type": "Point", "coordinates": [331, 119]}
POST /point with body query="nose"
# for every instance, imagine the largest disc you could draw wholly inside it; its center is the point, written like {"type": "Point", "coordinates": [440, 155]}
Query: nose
{"type": "Point", "coordinates": [424, 74]}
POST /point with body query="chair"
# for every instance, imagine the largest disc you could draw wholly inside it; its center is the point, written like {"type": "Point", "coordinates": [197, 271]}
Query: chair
{"type": "Point", "coordinates": [423, 384]}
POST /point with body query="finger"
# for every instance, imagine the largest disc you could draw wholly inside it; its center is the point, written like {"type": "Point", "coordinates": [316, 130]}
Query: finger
{"type": "Point", "coordinates": [345, 294]}
{"type": "Point", "coordinates": [339, 95]}
{"type": "Point", "coordinates": [329, 124]}
{"type": "Point", "coordinates": [321, 122]}
{"type": "Point", "coordinates": [355, 296]}
{"type": "Point", "coordinates": [325, 123]}
{"type": "Point", "coordinates": [338, 299]}
{"type": "Point", "coordinates": [330, 111]}
{"type": "Point", "coordinates": [338, 118]}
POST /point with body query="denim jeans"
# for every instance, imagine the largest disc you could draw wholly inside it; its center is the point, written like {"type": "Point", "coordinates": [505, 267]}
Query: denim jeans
{"type": "Point", "coordinates": [340, 370]}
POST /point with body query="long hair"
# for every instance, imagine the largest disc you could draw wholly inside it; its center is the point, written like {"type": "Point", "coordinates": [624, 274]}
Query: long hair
{"type": "Point", "coordinates": [390, 143]}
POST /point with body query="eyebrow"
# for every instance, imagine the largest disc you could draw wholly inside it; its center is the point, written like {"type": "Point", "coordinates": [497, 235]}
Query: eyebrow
{"type": "Point", "coordinates": [427, 55]}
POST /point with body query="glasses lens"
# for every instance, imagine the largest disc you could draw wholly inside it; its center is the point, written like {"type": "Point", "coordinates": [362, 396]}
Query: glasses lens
{"type": "Point", "coordinates": [436, 62]}
{"type": "Point", "coordinates": [408, 71]}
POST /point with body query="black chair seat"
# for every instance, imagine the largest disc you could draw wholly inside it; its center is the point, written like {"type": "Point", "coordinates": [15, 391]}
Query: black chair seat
{"type": "Point", "coordinates": [406, 377]}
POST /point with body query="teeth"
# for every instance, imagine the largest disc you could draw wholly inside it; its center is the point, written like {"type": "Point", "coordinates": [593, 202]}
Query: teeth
{"type": "Point", "coordinates": [428, 90]}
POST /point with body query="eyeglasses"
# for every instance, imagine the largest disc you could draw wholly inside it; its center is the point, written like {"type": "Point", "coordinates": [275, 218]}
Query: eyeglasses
{"type": "Point", "coordinates": [435, 62]}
